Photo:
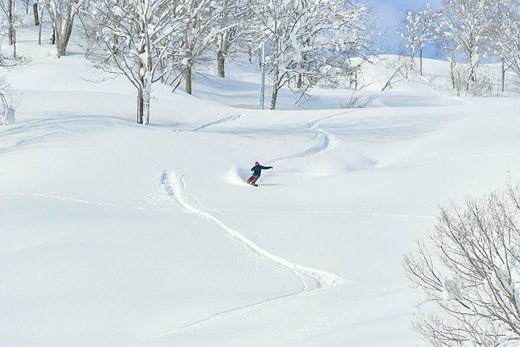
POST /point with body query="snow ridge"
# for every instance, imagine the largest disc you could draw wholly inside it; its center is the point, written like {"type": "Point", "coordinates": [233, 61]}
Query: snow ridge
{"type": "Point", "coordinates": [311, 278]}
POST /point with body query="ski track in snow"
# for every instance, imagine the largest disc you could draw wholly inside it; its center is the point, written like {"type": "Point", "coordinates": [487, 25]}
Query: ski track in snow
{"type": "Point", "coordinates": [231, 118]}
{"type": "Point", "coordinates": [311, 279]}
{"type": "Point", "coordinates": [328, 142]}
{"type": "Point", "coordinates": [319, 277]}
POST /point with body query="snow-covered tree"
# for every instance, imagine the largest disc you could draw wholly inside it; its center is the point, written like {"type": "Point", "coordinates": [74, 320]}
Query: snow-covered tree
{"type": "Point", "coordinates": [506, 36]}
{"type": "Point", "coordinates": [26, 4]}
{"type": "Point", "coordinates": [131, 37]}
{"type": "Point", "coordinates": [309, 39]}
{"type": "Point", "coordinates": [8, 8]}
{"type": "Point", "coordinates": [354, 35]}
{"type": "Point", "coordinates": [469, 269]}
{"type": "Point", "coordinates": [288, 29]}
{"type": "Point", "coordinates": [199, 32]}
{"type": "Point", "coordinates": [418, 30]}
{"type": "Point", "coordinates": [3, 109]}
{"type": "Point", "coordinates": [6, 110]}
{"type": "Point", "coordinates": [232, 23]}
{"type": "Point", "coordinates": [62, 13]}
{"type": "Point", "coordinates": [449, 48]}
{"type": "Point", "coordinates": [468, 24]}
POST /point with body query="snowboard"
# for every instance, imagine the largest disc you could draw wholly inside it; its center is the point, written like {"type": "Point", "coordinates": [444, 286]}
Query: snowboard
{"type": "Point", "coordinates": [252, 184]}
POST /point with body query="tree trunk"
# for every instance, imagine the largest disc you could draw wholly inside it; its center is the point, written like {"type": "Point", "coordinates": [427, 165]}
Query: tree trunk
{"type": "Point", "coordinates": [36, 16]}
{"type": "Point", "coordinates": [421, 60]}
{"type": "Point", "coordinates": [11, 19]}
{"type": "Point", "coordinates": [274, 97]}
{"type": "Point", "coordinates": [65, 31]}
{"type": "Point", "coordinates": [40, 19]}
{"type": "Point", "coordinates": [146, 100]}
{"type": "Point", "coordinates": [188, 74]}
{"type": "Point", "coordinates": [143, 92]}
{"type": "Point", "coordinates": [412, 59]}
{"type": "Point", "coordinates": [299, 83]}
{"type": "Point", "coordinates": [503, 76]}
{"type": "Point", "coordinates": [140, 107]}
{"type": "Point", "coordinates": [452, 73]}
{"type": "Point", "coordinates": [143, 106]}
{"type": "Point", "coordinates": [276, 88]}
{"type": "Point", "coordinates": [62, 26]}
{"type": "Point", "coordinates": [221, 60]}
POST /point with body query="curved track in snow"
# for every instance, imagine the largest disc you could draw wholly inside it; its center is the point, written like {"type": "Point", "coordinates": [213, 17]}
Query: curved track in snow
{"type": "Point", "coordinates": [310, 278]}
{"type": "Point", "coordinates": [327, 141]}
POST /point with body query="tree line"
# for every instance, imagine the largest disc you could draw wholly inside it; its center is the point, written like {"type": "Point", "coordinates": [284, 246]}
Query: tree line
{"type": "Point", "coordinates": [307, 42]}
{"type": "Point", "coordinates": [468, 33]}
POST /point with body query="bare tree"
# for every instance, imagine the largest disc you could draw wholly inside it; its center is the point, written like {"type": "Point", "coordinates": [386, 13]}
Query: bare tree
{"type": "Point", "coordinates": [469, 269]}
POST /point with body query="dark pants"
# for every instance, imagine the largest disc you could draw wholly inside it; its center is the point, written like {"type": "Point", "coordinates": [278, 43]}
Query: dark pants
{"type": "Point", "coordinates": [252, 179]}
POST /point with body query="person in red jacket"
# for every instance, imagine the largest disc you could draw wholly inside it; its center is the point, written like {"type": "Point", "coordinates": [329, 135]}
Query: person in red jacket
{"type": "Point", "coordinates": [257, 171]}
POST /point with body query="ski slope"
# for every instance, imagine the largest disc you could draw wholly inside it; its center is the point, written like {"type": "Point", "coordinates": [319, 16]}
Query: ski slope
{"type": "Point", "coordinates": [115, 234]}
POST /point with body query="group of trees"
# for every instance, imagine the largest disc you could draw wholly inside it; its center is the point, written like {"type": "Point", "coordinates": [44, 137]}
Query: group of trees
{"type": "Point", "coordinates": [311, 42]}
{"type": "Point", "coordinates": [307, 41]}
{"type": "Point", "coordinates": [468, 32]}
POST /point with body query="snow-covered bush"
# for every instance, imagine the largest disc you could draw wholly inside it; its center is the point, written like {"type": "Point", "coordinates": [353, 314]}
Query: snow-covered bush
{"type": "Point", "coordinates": [6, 111]}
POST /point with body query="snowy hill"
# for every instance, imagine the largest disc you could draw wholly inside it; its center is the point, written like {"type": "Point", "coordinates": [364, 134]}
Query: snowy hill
{"type": "Point", "coordinates": [118, 234]}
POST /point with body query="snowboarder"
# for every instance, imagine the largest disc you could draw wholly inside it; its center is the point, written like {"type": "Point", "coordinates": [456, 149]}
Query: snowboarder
{"type": "Point", "coordinates": [257, 171]}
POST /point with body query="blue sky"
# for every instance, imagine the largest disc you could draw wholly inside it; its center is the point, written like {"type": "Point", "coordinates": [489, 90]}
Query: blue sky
{"type": "Point", "coordinates": [390, 13]}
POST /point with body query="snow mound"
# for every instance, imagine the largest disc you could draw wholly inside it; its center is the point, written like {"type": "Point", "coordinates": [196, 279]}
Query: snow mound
{"type": "Point", "coordinates": [349, 159]}
{"type": "Point", "coordinates": [237, 175]}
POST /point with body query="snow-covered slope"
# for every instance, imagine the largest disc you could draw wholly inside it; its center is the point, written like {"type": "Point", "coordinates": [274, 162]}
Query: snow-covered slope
{"type": "Point", "coordinates": [117, 234]}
